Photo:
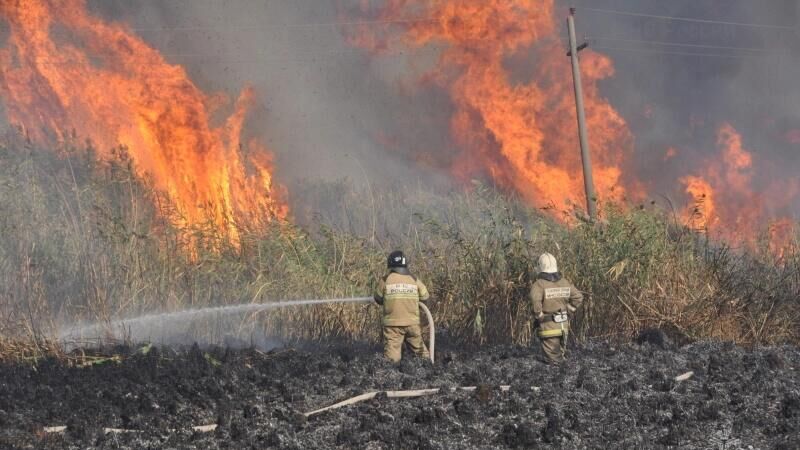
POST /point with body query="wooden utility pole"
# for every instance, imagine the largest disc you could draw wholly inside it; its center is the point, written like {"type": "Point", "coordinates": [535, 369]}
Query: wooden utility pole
{"type": "Point", "coordinates": [588, 180]}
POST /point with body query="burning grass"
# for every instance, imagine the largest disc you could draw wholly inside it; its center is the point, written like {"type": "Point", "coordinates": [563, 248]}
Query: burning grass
{"type": "Point", "coordinates": [108, 80]}
{"type": "Point", "coordinates": [90, 241]}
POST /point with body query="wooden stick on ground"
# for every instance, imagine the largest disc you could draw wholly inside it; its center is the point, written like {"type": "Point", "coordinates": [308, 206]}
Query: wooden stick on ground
{"type": "Point", "coordinates": [197, 428]}
{"type": "Point", "coordinates": [685, 376]}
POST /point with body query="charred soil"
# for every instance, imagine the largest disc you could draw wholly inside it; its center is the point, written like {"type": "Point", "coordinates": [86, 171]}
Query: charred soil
{"type": "Point", "coordinates": [606, 395]}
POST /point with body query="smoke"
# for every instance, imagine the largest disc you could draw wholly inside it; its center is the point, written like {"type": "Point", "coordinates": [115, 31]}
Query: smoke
{"type": "Point", "coordinates": [677, 101]}
{"type": "Point", "coordinates": [329, 110]}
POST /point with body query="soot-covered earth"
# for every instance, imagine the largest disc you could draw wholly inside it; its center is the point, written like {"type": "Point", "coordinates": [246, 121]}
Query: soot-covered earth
{"type": "Point", "coordinates": [606, 396]}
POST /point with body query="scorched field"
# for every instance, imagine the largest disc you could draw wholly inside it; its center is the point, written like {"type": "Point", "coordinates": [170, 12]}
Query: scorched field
{"type": "Point", "coordinates": [606, 396]}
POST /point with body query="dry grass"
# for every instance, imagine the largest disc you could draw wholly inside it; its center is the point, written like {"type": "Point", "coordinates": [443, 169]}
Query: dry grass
{"type": "Point", "coordinates": [84, 240]}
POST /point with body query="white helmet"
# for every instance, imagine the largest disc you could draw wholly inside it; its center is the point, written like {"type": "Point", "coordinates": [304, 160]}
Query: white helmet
{"type": "Point", "coordinates": [547, 263]}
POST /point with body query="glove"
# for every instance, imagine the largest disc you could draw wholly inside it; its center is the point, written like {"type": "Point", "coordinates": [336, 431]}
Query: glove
{"type": "Point", "coordinates": [539, 316]}
{"type": "Point", "coordinates": [378, 299]}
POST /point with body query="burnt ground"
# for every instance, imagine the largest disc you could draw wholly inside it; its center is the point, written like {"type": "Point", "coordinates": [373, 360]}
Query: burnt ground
{"type": "Point", "coordinates": [607, 396]}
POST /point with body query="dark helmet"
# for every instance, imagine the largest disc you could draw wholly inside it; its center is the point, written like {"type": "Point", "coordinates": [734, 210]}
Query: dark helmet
{"type": "Point", "coordinates": [396, 259]}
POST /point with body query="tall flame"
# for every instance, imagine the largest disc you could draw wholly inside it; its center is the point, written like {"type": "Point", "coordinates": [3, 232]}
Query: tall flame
{"type": "Point", "coordinates": [523, 135]}
{"type": "Point", "coordinates": [726, 201]}
{"type": "Point", "coordinates": [64, 69]}
{"type": "Point", "coordinates": [703, 214]}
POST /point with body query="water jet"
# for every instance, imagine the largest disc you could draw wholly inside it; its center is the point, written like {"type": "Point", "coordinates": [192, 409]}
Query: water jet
{"type": "Point", "coordinates": [91, 332]}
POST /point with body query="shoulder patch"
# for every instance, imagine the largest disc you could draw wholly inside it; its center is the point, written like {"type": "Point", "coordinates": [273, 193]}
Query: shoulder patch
{"type": "Point", "coordinates": [560, 292]}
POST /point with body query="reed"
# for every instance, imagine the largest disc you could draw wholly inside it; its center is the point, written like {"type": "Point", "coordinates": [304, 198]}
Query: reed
{"type": "Point", "coordinates": [89, 241]}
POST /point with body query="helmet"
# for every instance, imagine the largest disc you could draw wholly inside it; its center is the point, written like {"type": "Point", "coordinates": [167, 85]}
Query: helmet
{"type": "Point", "coordinates": [547, 263]}
{"type": "Point", "coordinates": [396, 259]}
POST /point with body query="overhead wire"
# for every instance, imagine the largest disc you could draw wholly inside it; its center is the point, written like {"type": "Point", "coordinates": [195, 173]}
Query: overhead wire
{"type": "Point", "coordinates": [656, 51]}
{"type": "Point", "coordinates": [679, 44]}
{"type": "Point", "coordinates": [749, 51]}
{"type": "Point", "coordinates": [765, 52]}
{"type": "Point", "coordinates": [690, 19]}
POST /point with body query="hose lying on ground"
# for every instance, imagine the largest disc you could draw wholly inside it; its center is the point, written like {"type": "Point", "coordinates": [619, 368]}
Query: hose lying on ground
{"type": "Point", "coordinates": [424, 392]}
{"type": "Point", "coordinates": [399, 394]}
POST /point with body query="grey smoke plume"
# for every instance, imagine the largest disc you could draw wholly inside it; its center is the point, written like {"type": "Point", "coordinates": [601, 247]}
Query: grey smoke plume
{"type": "Point", "coordinates": [677, 100]}
{"type": "Point", "coordinates": [328, 111]}
{"type": "Point", "coordinates": [331, 111]}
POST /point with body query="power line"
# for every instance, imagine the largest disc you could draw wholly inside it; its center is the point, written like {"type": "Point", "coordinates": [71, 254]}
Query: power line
{"type": "Point", "coordinates": [677, 44]}
{"type": "Point", "coordinates": [642, 50]}
{"type": "Point", "coordinates": [689, 19]}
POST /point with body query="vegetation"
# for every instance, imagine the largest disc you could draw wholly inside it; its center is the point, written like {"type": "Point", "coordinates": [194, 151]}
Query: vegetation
{"type": "Point", "coordinates": [84, 240]}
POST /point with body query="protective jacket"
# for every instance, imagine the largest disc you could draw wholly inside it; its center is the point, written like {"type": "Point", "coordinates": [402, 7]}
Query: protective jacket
{"type": "Point", "coordinates": [551, 293]}
{"type": "Point", "coordinates": [400, 294]}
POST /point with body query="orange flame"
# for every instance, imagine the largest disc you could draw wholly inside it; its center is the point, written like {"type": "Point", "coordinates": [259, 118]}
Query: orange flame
{"type": "Point", "coordinates": [64, 69]}
{"type": "Point", "coordinates": [782, 238]}
{"type": "Point", "coordinates": [703, 214]}
{"type": "Point", "coordinates": [727, 202]}
{"type": "Point", "coordinates": [523, 135]}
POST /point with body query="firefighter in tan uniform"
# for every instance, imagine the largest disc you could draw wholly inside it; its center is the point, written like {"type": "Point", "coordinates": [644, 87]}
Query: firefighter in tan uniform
{"type": "Point", "coordinates": [554, 300]}
{"type": "Point", "coordinates": [400, 293]}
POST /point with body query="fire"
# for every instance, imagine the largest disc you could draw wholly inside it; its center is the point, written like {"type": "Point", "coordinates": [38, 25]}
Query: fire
{"type": "Point", "coordinates": [727, 202]}
{"type": "Point", "coordinates": [736, 159]}
{"type": "Point", "coordinates": [781, 237]}
{"type": "Point", "coordinates": [702, 215]}
{"type": "Point", "coordinates": [523, 135]}
{"type": "Point", "coordinates": [64, 69]}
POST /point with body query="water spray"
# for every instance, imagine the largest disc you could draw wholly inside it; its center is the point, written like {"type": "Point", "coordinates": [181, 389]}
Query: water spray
{"type": "Point", "coordinates": [78, 332]}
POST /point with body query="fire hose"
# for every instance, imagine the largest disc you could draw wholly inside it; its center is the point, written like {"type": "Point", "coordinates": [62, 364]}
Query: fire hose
{"type": "Point", "coordinates": [428, 316]}
{"type": "Point", "coordinates": [432, 339]}
{"type": "Point", "coordinates": [414, 393]}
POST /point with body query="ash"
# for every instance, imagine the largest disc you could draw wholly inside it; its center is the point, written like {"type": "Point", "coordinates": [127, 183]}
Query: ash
{"type": "Point", "coordinates": [607, 395]}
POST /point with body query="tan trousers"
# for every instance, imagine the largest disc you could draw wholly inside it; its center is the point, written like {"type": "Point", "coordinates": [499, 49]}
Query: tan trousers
{"type": "Point", "coordinates": [554, 340]}
{"type": "Point", "coordinates": [555, 348]}
{"type": "Point", "coordinates": [393, 338]}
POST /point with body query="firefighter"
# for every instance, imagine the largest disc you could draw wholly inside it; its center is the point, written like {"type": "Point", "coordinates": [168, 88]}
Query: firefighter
{"type": "Point", "coordinates": [400, 293]}
{"type": "Point", "coordinates": [554, 300]}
